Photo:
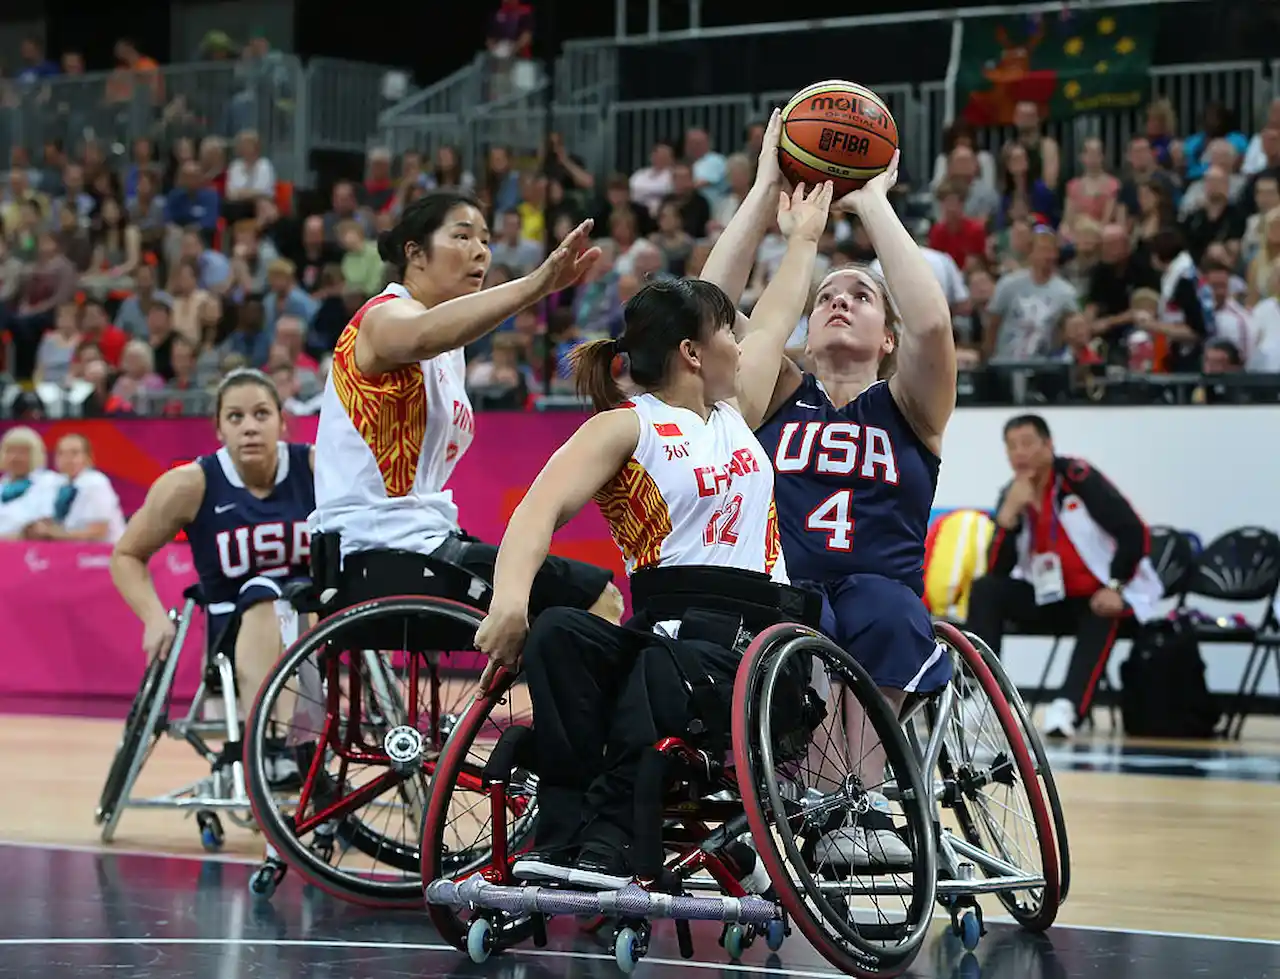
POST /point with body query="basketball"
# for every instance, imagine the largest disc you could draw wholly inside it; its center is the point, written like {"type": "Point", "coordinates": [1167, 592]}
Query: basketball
{"type": "Point", "coordinates": [837, 131]}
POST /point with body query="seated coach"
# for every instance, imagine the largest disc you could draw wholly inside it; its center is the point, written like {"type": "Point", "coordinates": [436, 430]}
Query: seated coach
{"type": "Point", "coordinates": [1069, 556]}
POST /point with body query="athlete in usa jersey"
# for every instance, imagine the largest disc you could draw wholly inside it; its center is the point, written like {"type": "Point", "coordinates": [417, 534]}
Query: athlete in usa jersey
{"type": "Point", "coordinates": [244, 509]}
{"type": "Point", "coordinates": [856, 448]}
{"type": "Point", "coordinates": [689, 498]}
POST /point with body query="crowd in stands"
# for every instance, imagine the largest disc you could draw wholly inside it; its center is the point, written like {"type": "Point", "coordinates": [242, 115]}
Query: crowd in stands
{"type": "Point", "coordinates": [130, 281]}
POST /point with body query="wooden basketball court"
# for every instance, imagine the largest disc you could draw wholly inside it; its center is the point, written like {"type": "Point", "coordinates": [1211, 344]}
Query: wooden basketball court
{"type": "Point", "coordinates": [1149, 852]}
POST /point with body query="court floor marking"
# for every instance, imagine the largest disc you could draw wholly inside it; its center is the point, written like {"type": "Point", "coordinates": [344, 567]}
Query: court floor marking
{"type": "Point", "coordinates": [105, 849]}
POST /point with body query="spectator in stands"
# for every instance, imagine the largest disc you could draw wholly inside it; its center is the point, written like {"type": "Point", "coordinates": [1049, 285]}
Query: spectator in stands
{"type": "Point", "coordinates": [1094, 193]}
{"type": "Point", "coordinates": [344, 206]}
{"type": "Point", "coordinates": [1017, 187]}
{"type": "Point", "coordinates": [652, 184]}
{"type": "Point", "coordinates": [192, 202]}
{"type": "Point", "coordinates": [1162, 131]}
{"type": "Point", "coordinates": [672, 240]}
{"type": "Point", "coordinates": [1185, 314]}
{"type": "Point", "coordinates": [11, 273]}
{"type": "Point", "coordinates": [1266, 197]}
{"type": "Point", "coordinates": [1223, 156]}
{"type": "Point", "coordinates": [741, 174]}
{"type": "Point", "coordinates": [137, 372]}
{"type": "Point", "coordinates": [1111, 285]}
{"type": "Point", "coordinates": [213, 267]}
{"type": "Point", "coordinates": [1155, 210]}
{"type": "Point", "coordinates": [96, 327]}
{"type": "Point", "coordinates": [19, 194]}
{"type": "Point", "coordinates": [24, 480]}
{"type": "Point", "coordinates": [1267, 251]}
{"type": "Point", "coordinates": [695, 211]}
{"type": "Point", "coordinates": [49, 283]}
{"type": "Point", "coordinates": [1216, 219]}
{"type": "Point", "coordinates": [75, 196]}
{"type": "Point", "coordinates": [500, 188]}
{"type": "Point", "coordinates": [1029, 304]}
{"type": "Point", "coordinates": [187, 303]}
{"type": "Point", "coordinates": [1217, 123]}
{"type": "Point", "coordinates": [1080, 550]}
{"type": "Point", "coordinates": [160, 336]}
{"type": "Point", "coordinates": [361, 264]}
{"type": "Point", "coordinates": [284, 296]}
{"type": "Point", "coordinates": [980, 199]}
{"type": "Point", "coordinates": [250, 175]}
{"type": "Point", "coordinates": [1086, 251]}
{"type": "Point", "coordinates": [1141, 167]}
{"type": "Point", "coordinates": [315, 253]}
{"type": "Point", "coordinates": [146, 211]}
{"type": "Point", "coordinates": [509, 41]}
{"type": "Point", "coordinates": [333, 312]}
{"type": "Point", "coordinates": [448, 172]}
{"type": "Point", "coordinates": [1231, 321]}
{"type": "Point", "coordinates": [132, 313]}
{"type": "Point", "coordinates": [708, 166]}
{"type": "Point", "coordinates": [512, 249]}
{"type": "Point", "coordinates": [957, 134]}
{"type": "Point", "coordinates": [58, 346]}
{"type": "Point", "coordinates": [117, 251]}
{"type": "Point", "coordinates": [290, 340]}
{"type": "Point", "coordinates": [1043, 154]}
{"type": "Point", "coordinates": [557, 163]}
{"type": "Point", "coordinates": [955, 233]}
{"type": "Point", "coordinates": [249, 340]}
{"type": "Point", "coordinates": [84, 506]}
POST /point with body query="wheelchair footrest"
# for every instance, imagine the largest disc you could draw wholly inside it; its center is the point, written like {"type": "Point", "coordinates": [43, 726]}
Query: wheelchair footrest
{"type": "Point", "coordinates": [632, 901]}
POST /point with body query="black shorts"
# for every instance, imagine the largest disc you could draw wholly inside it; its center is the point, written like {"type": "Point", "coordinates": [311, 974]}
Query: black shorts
{"type": "Point", "coordinates": [378, 574]}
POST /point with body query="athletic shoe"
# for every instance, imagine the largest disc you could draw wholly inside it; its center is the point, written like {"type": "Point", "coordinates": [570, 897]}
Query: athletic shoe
{"type": "Point", "coordinates": [871, 843]}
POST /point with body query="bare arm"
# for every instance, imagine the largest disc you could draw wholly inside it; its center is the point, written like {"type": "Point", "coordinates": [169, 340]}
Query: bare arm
{"type": "Point", "coordinates": [762, 364]}
{"type": "Point", "coordinates": [925, 382]}
{"type": "Point", "coordinates": [577, 471]}
{"type": "Point", "coordinates": [734, 253]}
{"type": "Point", "coordinates": [171, 503]}
{"type": "Point", "coordinates": [403, 332]}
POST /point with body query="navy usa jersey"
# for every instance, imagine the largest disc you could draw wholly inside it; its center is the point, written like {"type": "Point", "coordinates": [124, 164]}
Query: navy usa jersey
{"type": "Point", "coordinates": [855, 486]}
{"type": "Point", "coordinates": [236, 536]}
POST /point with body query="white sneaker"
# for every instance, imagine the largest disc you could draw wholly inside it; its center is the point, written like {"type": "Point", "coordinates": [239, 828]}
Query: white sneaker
{"type": "Point", "coordinates": [1060, 719]}
{"type": "Point", "coordinates": [865, 846]}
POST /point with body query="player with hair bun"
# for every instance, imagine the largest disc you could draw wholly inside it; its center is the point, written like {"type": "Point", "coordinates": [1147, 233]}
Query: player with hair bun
{"type": "Point", "coordinates": [395, 417]}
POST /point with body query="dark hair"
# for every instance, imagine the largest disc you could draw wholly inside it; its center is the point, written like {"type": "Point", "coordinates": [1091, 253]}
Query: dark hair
{"type": "Point", "coordinates": [1166, 244]}
{"type": "Point", "coordinates": [419, 221]}
{"type": "Point", "coordinates": [1024, 421]}
{"type": "Point", "coordinates": [244, 377]}
{"type": "Point", "coordinates": [1228, 348]}
{"type": "Point", "coordinates": [658, 318]}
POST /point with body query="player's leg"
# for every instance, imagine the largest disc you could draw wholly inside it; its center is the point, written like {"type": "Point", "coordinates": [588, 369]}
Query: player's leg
{"type": "Point", "coordinates": [887, 629]}
{"type": "Point", "coordinates": [258, 642]}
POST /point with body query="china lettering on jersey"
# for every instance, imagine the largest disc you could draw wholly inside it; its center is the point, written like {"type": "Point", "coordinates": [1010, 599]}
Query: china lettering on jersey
{"type": "Point", "coordinates": [463, 421]}
{"type": "Point", "coordinates": [855, 485]}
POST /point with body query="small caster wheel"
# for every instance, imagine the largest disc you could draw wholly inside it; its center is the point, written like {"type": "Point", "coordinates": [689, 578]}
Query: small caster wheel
{"type": "Point", "coordinates": [480, 940]}
{"type": "Point", "coordinates": [775, 934]}
{"type": "Point", "coordinates": [970, 931]}
{"type": "Point", "coordinates": [211, 834]}
{"type": "Point", "coordinates": [266, 879]}
{"type": "Point", "coordinates": [736, 941]}
{"type": "Point", "coordinates": [626, 950]}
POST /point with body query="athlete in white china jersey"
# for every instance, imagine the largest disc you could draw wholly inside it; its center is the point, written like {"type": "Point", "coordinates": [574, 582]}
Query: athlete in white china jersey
{"type": "Point", "coordinates": [694, 492]}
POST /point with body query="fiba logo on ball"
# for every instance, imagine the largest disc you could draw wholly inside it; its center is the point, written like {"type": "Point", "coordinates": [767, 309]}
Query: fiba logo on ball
{"type": "Point", "coordinates": [836, 130]}
{"type": "Point", "coordinates": [834, 139]}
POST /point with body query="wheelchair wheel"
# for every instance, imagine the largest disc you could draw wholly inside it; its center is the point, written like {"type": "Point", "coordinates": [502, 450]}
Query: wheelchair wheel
{"type": "Point", "coordinates": [997, 781]}
{"type": "Point", "coordinates": [794, 803]}
{"type": "Point", "coordinates": [131, 742]}
{"type": "Point", "coordinates": [483, 799]}
{"type": "Point", "coordinates": [365, 721]}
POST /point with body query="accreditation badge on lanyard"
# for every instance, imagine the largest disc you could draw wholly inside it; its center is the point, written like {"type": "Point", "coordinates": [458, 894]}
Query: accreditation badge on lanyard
{"type": "Point", "coordinates": [1046, 568]}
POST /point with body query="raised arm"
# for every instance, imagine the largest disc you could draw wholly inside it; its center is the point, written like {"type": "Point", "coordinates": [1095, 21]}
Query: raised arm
{"type": "Point", "coordinates": [403, 332]}
{"type": "Point", "coordinates": [577, 471]}
{"type": "Point", "coordinates": [734, 253]}
{"type": "Point", "coordinates": [924, 384]}
{"type": "Point", "coordinates": [171, 504]}
{"type": "Point", "coordinates": [762, 365]}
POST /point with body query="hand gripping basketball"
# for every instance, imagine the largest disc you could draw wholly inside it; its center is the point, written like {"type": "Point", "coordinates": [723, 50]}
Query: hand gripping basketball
{"type": "Point", "coordinates": [877, 186]}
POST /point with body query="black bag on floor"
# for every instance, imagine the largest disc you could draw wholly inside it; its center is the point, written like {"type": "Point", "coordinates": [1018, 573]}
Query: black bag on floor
{"type": "Point", "coordinates": [1164, 693]}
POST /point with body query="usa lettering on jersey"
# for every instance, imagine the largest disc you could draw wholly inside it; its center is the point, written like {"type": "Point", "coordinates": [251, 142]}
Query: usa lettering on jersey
{"type": "Point", "coordinates": [263, 548]}
{"type": "Point", "coordinates": [836, 449]}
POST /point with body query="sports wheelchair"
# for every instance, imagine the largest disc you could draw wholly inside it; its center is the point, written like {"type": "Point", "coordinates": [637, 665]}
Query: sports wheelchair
{"type": "Point", "coordinates": [150, 718]}
{"type": "Point", "coordinates": [705, 816]}
{"type": "Point", "coordinates": [364, 700]}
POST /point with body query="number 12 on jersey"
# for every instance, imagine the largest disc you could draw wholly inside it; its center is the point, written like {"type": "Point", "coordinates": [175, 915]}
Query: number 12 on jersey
{"type": "Point", "coordinates": [831, 517]}
{"type": "Point", "coordinates": [722, 528]}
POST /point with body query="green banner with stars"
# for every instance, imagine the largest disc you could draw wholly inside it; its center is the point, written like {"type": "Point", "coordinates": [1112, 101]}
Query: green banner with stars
{"type": "Point", "coordinates": [1068, 62]}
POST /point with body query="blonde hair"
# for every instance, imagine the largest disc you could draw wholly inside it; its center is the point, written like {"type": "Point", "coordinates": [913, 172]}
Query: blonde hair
{"type": "Point", "coordinates": [892, 321]}
{"type": "Point", "coordinates": [22, 435]}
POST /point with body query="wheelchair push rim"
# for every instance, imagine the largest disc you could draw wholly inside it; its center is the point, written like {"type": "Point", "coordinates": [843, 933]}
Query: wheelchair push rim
{"type": "Point", "coordinates": [461, 769]}
{"type": "Point", "coordinates": [369, 677]}
{"type": "Point", "coordinates": [830, 931]}
{"type": "Point", "coordinates": [1017, 731]}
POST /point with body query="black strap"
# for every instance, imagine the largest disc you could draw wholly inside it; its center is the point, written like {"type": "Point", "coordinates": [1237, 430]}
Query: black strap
{"type": "Point", "coordinates": [669, 593]}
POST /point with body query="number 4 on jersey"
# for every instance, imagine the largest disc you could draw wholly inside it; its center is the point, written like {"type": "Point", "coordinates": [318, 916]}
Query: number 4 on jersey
{"type": "Point", "coordinates": [832, 517]}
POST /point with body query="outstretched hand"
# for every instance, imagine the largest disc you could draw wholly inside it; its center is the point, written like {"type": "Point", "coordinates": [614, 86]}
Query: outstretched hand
{"type": "Point", "coordinates": [877, 186]}
{"type": "Point", "coordinates": [802, 215]}
{"type": "Point", "coordinates": [768, 172]}
{"type": "Point", "coordinates": [570, 261]}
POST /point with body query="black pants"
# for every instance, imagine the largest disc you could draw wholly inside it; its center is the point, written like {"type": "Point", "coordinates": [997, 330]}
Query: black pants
{"type": "Point", "coordinates": [997, 601]}
{"type": "Point", "coordinates": [601, 694]}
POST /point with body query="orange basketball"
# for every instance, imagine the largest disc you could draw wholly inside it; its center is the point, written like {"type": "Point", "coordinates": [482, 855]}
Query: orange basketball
{"type": "Point", "coordinates": [837, 131]}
